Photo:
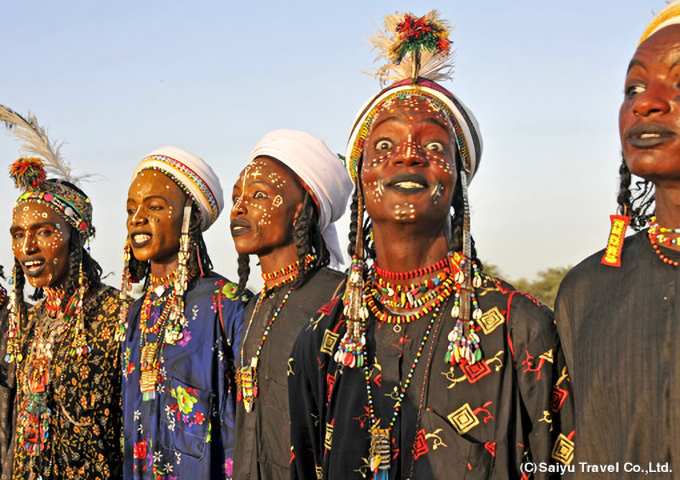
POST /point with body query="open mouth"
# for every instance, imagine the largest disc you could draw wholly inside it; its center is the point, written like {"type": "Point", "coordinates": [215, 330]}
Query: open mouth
{"type": "Point", "coordinates": [239, 227]}
{"type": "Point", "coordinates": [408, 183]}
{"type": "Point", "coordinates": [33, 267]}
{"type": "Point", "coordinates": [140, 239]}
{"type": "Point", "coordinates": [649, 135]}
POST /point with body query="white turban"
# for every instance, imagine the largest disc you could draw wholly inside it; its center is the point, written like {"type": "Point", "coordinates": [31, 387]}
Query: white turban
{"type": "Point", "coordinates": [194, 177]}
{"type": "Point", "coordinates": [322, 172]}
{"type": "Point", "coordinates": [669, 15]}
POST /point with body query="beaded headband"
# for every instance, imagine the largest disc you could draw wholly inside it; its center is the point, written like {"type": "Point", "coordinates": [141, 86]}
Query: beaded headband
{"type": "Point", "coordinates": [462, 122]}
{"type": "Point", "coordinates": [72, 205]}
{"type": "Point", "coordinates": [192, 175]}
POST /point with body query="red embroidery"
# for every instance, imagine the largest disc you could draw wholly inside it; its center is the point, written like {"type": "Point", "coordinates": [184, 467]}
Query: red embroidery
{"type": "Point", "coordinates": [559, 395]}
{"type": "Point", "coordinates": [326, 309]}
{"type": "Point", "coordinates": [488, 415]}
{"type": "Point", "coordinates": [491, 447]}
{"type": "Point", "coordinates": [475, 372]}
{"type": "Point", "coordinates": [531, 367]}
{"type": "Point", "coordinates": [420, 445]}
{"type": "Point", "coordinates": [330, 382]}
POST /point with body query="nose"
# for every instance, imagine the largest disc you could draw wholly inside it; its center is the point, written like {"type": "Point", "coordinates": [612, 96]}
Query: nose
{"type": "Point", "coordinates": [30, 245]}
{"type": "Point", "coordinates": [138, 217]}
{"type": "Point", "coordinates": [239, 208]}
{"type": "Point", "coordinates": [654, 100]}
{"type": "Point", "coordinates": [409, 153]}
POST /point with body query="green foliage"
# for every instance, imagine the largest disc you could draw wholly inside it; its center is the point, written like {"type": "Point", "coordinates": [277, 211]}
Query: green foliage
{"type": "Point", "coordinates": [544, 287]}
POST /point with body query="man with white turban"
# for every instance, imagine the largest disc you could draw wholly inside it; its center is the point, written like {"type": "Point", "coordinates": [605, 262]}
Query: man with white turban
{"type": "Point", "coordinates": [179, 339]}
{"type": "Point", "coordinates": [285, 202]}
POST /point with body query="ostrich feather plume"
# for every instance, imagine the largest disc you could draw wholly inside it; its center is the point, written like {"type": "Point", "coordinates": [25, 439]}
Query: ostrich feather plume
{"type": "Point", "coordinates": [35, 142]}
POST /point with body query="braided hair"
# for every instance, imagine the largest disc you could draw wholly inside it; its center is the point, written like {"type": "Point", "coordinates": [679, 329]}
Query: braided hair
{"type": "Point", "coordinates": [639, 204]}
{"type": "Point", "coordinates": [308, 241]}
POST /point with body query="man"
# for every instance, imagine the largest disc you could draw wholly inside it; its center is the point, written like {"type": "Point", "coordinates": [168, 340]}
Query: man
{"type": "Point", "coordinates": [617, 311]}
{"type": "Point", "coordinates": [181, 336]}
{"type": "Point", "coordinates": [286, 201]}
{"type": "Point", "coordinates": [68, 418]}
{"type": "Point", "coordinates": [427, 368]}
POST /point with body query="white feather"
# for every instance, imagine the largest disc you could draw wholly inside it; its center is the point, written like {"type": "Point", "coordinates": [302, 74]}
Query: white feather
{"type": "Point", "coordinates": [35, 142]}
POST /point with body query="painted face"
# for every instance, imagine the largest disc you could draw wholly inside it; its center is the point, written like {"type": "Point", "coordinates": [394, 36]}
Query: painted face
{"type": "Point", "coordinates": [408, 173]}
{"type": "Point", "coordinates": [267, 198]}
{"type": "Point", "coordinates": [155, 207]}
{"type": "Point", "coordinates": [649, 118]}
{"type": "Point", "coordinates": [40, 239]}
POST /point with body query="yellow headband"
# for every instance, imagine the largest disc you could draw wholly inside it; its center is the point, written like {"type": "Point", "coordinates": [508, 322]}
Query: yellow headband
{"type": "Point", "coordinates": [669, 15]}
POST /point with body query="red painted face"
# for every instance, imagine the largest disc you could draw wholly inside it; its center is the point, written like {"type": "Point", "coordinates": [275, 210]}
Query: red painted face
{"type": "Point", "coordinates": [155, 209]}
{"type": "Point", "coordinates": [408, 173]}
{"type": "Point", "coordinates": [267, 199]}
{"type": "Point", "coordinates": [40, 239]}
{"type": "Point", "coordinates": [649, 118]}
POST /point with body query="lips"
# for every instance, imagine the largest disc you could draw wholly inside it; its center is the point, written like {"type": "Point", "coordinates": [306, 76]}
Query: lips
{"type": "Point", "coordinates": [33, 267]}
{"type": "Point", "coordinates": [408, 183]}
{"type": "Point", "coordinates": [140, 239]}
{"type": "Point", "coordinates": [239, 227]}
{"type": "Point", "coordinates": [649, 135]}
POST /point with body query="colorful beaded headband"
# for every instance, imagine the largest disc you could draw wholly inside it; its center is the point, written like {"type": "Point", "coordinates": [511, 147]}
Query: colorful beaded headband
{"type": "Point", "coordinates": [189, 181]}
{"type": "Point", "coordinates": [74, 206]}
{"type": "Point", "coordinates": [461, 121]}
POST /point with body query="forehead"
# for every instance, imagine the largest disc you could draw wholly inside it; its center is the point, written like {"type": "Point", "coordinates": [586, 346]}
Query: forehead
{"type": "Point", "coordinates": [28, 214]}
{"type": "Point", "coordinates": [413, 109]}
{"type": "Point", "coordinates": [661, 48]}
{"type": "Point", "coordinates": [154, 183]}
{"type": "Point", "coordinates": [269, 171]}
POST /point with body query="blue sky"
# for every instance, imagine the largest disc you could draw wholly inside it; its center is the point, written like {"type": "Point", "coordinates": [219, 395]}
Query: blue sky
{"type": "Point", "coordinates": [116, 80]}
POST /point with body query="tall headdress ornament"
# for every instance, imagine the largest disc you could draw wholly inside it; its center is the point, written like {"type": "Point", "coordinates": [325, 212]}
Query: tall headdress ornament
{"type": "Point", "coordinates": [58, 193]}
{"type": "Point", "coordinates": [418, 54]}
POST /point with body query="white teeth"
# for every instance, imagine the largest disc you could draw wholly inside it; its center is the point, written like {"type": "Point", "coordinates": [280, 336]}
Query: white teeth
{"type": "Point", "coordinates": [33, 263]}
{"type": "Point", "coordinates": [409, 185]}
{"type": "Point", "coordinates": [649, 135]}
{"type": "Point", "coordinates": [141, 237]}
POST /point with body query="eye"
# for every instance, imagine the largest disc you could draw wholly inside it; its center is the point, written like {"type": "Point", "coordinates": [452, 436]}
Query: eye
{"type": "Point", "coordinates": [45, 232]}
{"type": "Point", "coordinates": [633, 90]}
{"type": "Point", "coordinates": [383, 145]}
{"type": "Point", "coordinates": [235, 199]}
{"type": "Point", "coordinates": [435, 147]}
{"type": "Point", "coordinates": [17, 235]}
{"type": "Point", "coordinates": [156, 208]}
{"type": "Point", "coordinates": [260, 195]}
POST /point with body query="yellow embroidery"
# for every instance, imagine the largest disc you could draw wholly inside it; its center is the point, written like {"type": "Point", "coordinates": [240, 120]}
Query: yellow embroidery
{"type": "Point", "coordinates": [547, 419]}
{"type": "Point", "coordinates": [491, 320]}
{"type": "Point", "coordinates": [328, 344]}
{"type": "Point", "coordinates": [548, 356]}
{"type": "Point", "coordinates": [463, 419]}
{"type": "Point", "coordinates": [563, 450]}
{"type": "Point", "coordinates": [328, 440]}
{"type": "Point", "coordinates": [495, 359]}
{"type": "Point", "coordinates": [563, 377]}
{"type": "Point", "coordinates": [451, 377]}
{"type": "Point", "coordinates": [438, 442]}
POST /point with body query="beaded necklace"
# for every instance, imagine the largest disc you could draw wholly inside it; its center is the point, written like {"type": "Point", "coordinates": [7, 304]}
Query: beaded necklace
{"type": "Point", "coordinates": [246, 375]}
{"type": "Point", "coordinates": [419, 272]}
{"type": "Point", "coordinates": [656, 234]}
{"type": "Point", "coordinates": [287, 273]}
{"type": "Point", "coordinates": [46, 348]}
{"type": "Point", "coordinates": [379, 454]}
{"type": "Point", "coordinates": [151, 350]}
{"type": "Point", "coordinates": [405, 297]}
